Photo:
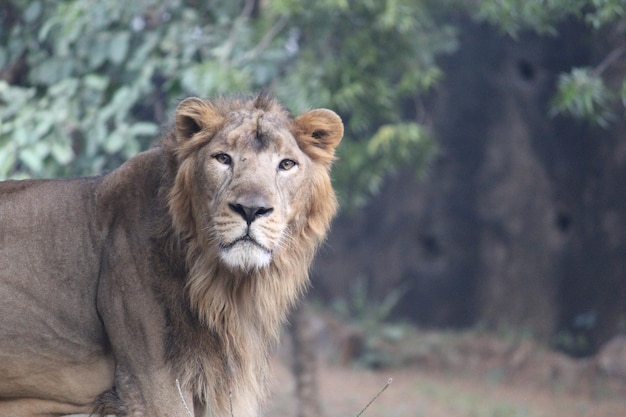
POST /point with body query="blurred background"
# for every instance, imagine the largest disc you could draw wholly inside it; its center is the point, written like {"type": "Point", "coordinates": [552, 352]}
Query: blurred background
{"type": "Point", "coordinates": [480, 252]}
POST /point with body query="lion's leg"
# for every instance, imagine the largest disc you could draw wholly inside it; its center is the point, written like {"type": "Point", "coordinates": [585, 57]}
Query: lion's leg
{"type": "Point", "coordinates": [145, 384]}
{"type": "Point", "coordinates": [135, 324]}
{"type": "Point", "coordinates": [108, 404]}
{"type": "Point", "coordinates": [148, 394]}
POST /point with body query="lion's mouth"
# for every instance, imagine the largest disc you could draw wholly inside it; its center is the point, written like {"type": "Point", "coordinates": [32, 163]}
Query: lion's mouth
{"type": "Point", "coordinates": [245, 239]}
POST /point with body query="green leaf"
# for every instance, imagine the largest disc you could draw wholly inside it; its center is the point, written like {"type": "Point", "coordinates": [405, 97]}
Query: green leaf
{"type": "Point", "coordinates": [32, 12]}
{"type": "Point", "coordinates": [143, 129]}
{"type": "Point", "coordinates": [114, 143]}
{"type": "Point", "coordinates": [51, 71]}
{"type": "Point", "coordinates": [96, 82]}
{"type": "Point", "coordinates": [34, 155]}
{"type": "Point", "coordinates": [584, 95]}
{"type": "Point", "coordinates": [118, 47]}
{"type": "Point", "coordinates": [7, 160]}
{"type": "Point", "coordinates": [62, 152]}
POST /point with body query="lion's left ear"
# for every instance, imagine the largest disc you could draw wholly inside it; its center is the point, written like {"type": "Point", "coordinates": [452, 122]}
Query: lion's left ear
{"type": "Point", "coordinates": [193, 115]}
{"type": "Point", "coordinates": [318, 133]}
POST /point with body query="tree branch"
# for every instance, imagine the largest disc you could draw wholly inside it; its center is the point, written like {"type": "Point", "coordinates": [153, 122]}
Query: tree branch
{"type": "Point", "coordinates": [615, 54]}
{"type": "Point", "coordinates": [234, 32]}
{"type": "Point", "coordinates": [266, 40]}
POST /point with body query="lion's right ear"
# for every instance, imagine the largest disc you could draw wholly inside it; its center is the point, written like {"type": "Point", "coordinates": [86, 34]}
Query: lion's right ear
{"type": "Point", "coordinates": [318, 133]}
{"type": "Point", "coordinates": [194, 115]}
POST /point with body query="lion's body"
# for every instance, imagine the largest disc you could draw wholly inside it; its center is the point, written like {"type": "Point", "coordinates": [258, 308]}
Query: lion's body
{"type": "Point", "coordinates": [33, 358]}
{"type": "Point", "coordinates": [178, 267]}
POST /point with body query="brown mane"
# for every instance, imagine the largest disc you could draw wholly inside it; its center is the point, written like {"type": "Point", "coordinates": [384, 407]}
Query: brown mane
{"type": "Point", "coordinates": [244, 309]}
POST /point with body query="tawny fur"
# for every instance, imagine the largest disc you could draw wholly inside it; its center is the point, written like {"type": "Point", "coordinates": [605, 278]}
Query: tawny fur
{"type": "Point", "coordinates": [136, 260]}
{"type": "Point", "coordinates": [246, 309]}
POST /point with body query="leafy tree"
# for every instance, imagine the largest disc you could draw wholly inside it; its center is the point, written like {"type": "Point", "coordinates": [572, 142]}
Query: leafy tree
{"type": "Point", "coordinates": [84, 84]}
{"type": "Point", "coordinates": [373, 61]}
{"type": "Point", "coordinates": [581, 92]}
{"type": "Point", "coordinates": [87, 84]}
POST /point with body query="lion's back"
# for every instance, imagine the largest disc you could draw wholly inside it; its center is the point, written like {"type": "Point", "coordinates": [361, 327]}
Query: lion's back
{"type": "Point", "coordinates": [43, 225]}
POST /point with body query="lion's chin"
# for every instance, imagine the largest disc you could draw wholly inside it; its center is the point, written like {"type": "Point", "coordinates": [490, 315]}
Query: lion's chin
{"type": "Point", "coordinates": [246, 256]}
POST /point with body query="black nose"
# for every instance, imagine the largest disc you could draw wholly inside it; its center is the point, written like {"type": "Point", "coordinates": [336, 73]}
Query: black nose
{"type": "Point", "coordinates": [250, 214]}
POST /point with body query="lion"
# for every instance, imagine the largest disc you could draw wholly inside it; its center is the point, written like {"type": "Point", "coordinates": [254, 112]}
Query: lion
{"type": "Point", "coordinates": [158, 288]}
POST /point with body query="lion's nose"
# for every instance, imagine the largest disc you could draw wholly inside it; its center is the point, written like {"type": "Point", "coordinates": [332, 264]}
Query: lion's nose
{"type": "Point", "coordinates": [250, 213]}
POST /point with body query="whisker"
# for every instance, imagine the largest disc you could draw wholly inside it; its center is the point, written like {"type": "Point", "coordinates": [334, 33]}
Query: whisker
{"type": "Point", "coordinates": [180, 392]}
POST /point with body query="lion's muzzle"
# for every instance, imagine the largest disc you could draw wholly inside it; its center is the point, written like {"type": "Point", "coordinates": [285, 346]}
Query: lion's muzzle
{"type": "Point", "coordinates": [252, 233]}
{"type": "Point", "coordinates": [250, 213]}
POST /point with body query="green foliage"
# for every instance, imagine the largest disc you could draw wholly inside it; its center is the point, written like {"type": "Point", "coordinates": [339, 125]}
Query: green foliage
{"type": "Point", "coordinates": [370, 316]}
{"type": "Point", "coordinates": [604, 12]}
{"type": "Point", "coordinates": [84, 85]}
{"type": "Point", "coordinates": [576, 341]}
{"type": "Point", "coordinates": [88, 84]}
{"type": "Point", "coordinates": [513, 16]}
{"type": "Point", "coordinates": [370, 313]}
{"type": "Point", "coordinates": [371, 61]}
{"type": "Point", "coordinates": [582, 92]}
{"type": "Point", "coordinates": [393, 146]}
{"type": "Point", "coordinates": [585, 96]}
{"type": "Point", "coordinates": [100, 77]}
{"type": "Point", "coordinates": [543, 16]}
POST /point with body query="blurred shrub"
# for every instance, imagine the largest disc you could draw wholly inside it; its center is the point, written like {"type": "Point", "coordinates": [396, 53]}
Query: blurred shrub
{"type": "Point", "coordinates": [88, 84]}
{"type": "Point", "coordinates": [84, 85]}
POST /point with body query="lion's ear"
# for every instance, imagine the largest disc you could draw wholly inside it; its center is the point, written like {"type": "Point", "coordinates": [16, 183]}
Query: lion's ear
{"type": "Point", "coordinates": [318, 133]}
{"type": "Point", "coordinates": [194, 115]}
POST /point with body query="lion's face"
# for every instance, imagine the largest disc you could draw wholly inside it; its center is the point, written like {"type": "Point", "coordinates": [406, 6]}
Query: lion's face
{"type": "Point", "coordinates": [254, 179]}
{"type": "Point", "coordinates": [254, 175]}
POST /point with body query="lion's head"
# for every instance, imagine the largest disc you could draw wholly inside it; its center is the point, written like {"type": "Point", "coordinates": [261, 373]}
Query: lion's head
{"type": "Point", "coordinates": [257, 171]}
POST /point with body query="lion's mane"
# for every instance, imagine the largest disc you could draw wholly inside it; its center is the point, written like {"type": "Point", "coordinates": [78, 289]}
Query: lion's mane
{"type": "Point", "coordinates": [243, 310]}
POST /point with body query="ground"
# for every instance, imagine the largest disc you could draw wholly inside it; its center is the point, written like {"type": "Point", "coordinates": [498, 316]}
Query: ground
{"type": "Point", "coordinates": [344, 391]}
{"type": "Point", "coordinates": [447, 374]}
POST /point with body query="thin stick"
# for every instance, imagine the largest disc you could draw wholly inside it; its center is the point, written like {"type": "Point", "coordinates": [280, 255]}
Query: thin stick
{"type": "Point", "coordinates": [180, 392]}
{"type": "Point", "coordinates": [615, 54]}
{"type": "Point", "coordinates": [389, 381]}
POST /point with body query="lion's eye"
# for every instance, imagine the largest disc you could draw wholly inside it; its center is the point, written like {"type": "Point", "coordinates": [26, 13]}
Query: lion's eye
{"type": "Point", "coordinates": [222, 158]}
{"type": "Point", "coordinates": [287, 164]}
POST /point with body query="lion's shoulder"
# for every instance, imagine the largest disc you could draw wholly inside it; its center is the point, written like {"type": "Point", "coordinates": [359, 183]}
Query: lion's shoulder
{"type": "Point", "coordinates": [135, 185]}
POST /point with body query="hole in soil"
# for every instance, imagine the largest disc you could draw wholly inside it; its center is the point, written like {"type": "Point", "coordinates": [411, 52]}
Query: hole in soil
{"type": "Point", "coordinates": [430, 244]}
{"type": "Point", "coordinates": [526, 70]}
{"type": "Point", "coordinates": [563, 221]}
